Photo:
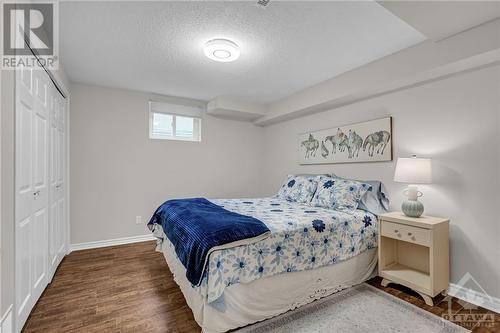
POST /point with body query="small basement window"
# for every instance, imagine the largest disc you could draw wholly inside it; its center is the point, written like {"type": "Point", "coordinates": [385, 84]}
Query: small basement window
{"type": "Point", "coordinates": [174, 122]}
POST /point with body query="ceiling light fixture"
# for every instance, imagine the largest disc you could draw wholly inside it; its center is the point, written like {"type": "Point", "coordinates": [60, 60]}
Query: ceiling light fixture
{"type": "Point", "coordinates": [222, 50]}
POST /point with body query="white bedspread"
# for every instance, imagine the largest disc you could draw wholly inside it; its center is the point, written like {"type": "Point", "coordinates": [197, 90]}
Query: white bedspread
{"type": "Point", "coordinates": [246, 303]}
{"type": "Point", "coordinates": [302, 238]}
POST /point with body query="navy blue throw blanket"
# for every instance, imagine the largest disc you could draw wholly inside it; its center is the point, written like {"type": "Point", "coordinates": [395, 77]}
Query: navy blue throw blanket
{"type": "Point", "coordinates": [194, 226]}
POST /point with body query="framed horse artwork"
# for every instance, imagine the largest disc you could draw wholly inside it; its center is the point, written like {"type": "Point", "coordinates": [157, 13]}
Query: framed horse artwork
{"type": "Point", "coordinates": [369, 141]}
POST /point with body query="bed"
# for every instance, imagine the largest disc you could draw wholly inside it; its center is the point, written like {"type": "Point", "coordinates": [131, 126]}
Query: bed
{"type": "Point", "coordinates": [310, 252]}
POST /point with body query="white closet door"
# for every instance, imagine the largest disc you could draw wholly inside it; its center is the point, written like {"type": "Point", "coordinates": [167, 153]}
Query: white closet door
{"type": "Point", "coordinates": [57, 224]}
{"type": "Point", "coordinates": [62, 183]}
{"type": "Point", "coordinates": [24, 191]}
{"type": "Point", "coordinates": [52, 184]}
{"type": "Point", "coordinates": [31, 189]}
{"type": "Point", "coordinates": [40, 173]}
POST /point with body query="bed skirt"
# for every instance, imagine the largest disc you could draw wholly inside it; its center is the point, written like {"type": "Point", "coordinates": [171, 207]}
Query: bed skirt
{"type": "Point", "coordinates": [244, 304]}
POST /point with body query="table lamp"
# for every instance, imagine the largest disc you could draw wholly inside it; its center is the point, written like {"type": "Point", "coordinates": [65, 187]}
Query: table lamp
{"type": "Point", "coordinates": [413, 171]}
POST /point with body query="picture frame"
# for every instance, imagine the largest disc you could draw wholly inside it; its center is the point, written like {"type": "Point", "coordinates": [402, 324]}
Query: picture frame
{"type": "Point", "coordinates": [368, 141]}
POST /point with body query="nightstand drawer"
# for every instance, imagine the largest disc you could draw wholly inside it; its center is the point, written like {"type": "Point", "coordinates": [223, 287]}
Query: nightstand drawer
{"type": "Point", "coordinates": [406, 233]}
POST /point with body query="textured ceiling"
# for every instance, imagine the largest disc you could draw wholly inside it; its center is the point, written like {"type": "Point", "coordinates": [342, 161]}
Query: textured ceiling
{"type": "Point", "coordinates": [441, 19]}
{"type": "Point", "coordinates": [288, 46]}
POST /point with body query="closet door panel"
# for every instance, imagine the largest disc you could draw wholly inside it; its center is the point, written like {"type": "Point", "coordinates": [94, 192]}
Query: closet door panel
{"type": "Point", "coordinates": [23, 268]}
{"type": "Point", "coordinates": [40, 163]}
{"type": "Point", "coordinates": [25, 79]}
{"type": "Point", "coordinates": [60, 229]}
{"type": "Point", "coordinates": [53, 227]}
{"type": "Point", "coordinates": [39, 255]}
{"type": "Point", "coordinates": [41, 87]}
{"type": "Point", "coordinates": [60, 159]}
{"type": "Point", "coordinates": [41, 152]}
{"type": "Point", "coordinates": [40, 146]}
{"type": "Point", "coordinates": [24, 153]}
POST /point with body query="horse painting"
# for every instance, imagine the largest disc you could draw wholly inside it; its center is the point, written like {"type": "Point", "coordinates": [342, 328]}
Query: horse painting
{"type": "Point", "coordinates": [367, 141]}
{"type": "Point", "coordinates": [311, 145]}
{"type": "Point", "coordinates": [324, 150]}
{"type": "Point", "coordinates": [353, 144]}
{"type": "Point", "coordinates": [337, 140]}
{"type": "Point", "coordinates": [377, 140]}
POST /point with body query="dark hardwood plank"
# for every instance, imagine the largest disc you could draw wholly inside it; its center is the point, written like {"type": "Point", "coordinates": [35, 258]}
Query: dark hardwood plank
{"type": "Point", "coordinates": [126, 288]}
{"type": "Point", "coordinates": [129, 288]}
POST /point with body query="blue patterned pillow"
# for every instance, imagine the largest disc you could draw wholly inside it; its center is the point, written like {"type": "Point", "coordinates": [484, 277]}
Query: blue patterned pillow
{"type": "Point", "coordinates": [376, 199]}
{"type": "Point", "coordinates": [298, 188]}
{"type": "Point", "coordinates": [340, 194]}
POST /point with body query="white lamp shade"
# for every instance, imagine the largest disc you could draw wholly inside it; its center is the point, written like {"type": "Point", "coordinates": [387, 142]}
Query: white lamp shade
{"type": "Point", "coordinates": [413, 170]}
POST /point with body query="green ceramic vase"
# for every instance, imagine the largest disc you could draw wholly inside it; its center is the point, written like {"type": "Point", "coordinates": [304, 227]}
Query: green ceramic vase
{"type": "Point", "coordinates": [412, 208]}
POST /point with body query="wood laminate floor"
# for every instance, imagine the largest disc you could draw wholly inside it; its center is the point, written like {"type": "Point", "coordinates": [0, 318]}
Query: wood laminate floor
{"type": "Point", "coordinates": [129, 288]}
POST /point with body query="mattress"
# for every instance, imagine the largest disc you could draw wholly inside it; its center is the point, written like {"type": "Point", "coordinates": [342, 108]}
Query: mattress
{"type": "Point", "coordinates": [303, 238]}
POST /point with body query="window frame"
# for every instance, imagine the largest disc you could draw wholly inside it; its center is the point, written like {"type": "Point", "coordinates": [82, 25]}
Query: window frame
{"type": "Point", "coordinates": [196, 127]}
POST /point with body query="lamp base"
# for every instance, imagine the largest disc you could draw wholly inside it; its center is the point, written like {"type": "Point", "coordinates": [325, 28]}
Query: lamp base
{"type": "Point", "coordinates": [412, 208]}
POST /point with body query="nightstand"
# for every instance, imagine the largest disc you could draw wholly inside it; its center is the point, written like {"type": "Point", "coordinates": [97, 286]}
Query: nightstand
{"type": "Point", "coordinates": [414, 252]}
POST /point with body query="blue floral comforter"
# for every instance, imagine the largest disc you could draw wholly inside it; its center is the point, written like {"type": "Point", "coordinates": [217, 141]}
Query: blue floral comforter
{"type": "Point", "coordinates": [302, 238]}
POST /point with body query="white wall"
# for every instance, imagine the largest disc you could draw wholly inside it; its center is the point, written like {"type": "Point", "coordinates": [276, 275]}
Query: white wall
{"type": "Point", "coordinates": [118, 173]}
{"type": "Point", "coordinates": [455, 122]}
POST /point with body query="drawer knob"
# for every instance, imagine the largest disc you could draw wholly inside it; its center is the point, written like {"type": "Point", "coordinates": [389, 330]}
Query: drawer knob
{"type": "Point", "coordinates": [409, 234]}
{"type": "Point", "coordinates": [396, 231]}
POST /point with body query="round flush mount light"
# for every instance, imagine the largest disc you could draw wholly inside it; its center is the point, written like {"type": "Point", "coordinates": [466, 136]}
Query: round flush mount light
{"type": "Point", "coordinates": [222, 50]}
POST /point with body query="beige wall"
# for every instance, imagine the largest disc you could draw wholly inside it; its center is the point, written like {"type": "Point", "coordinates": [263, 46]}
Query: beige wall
{"type": "Point", "coordinates": [118, 173]}
{"type": "Point", "coordinates": [455, 122]}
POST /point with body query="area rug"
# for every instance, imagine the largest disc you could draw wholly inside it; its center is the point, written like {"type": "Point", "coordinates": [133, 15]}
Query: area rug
{"type": "Point", "coordinates": [362, 308]}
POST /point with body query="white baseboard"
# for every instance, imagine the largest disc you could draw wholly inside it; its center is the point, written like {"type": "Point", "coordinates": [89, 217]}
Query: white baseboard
{"type": "Point", "coordinates": [110, 242]}
{"type": "Point", "coordinates": [6, 323]}
{"type": "Point", "coordinates": [474, 297]}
